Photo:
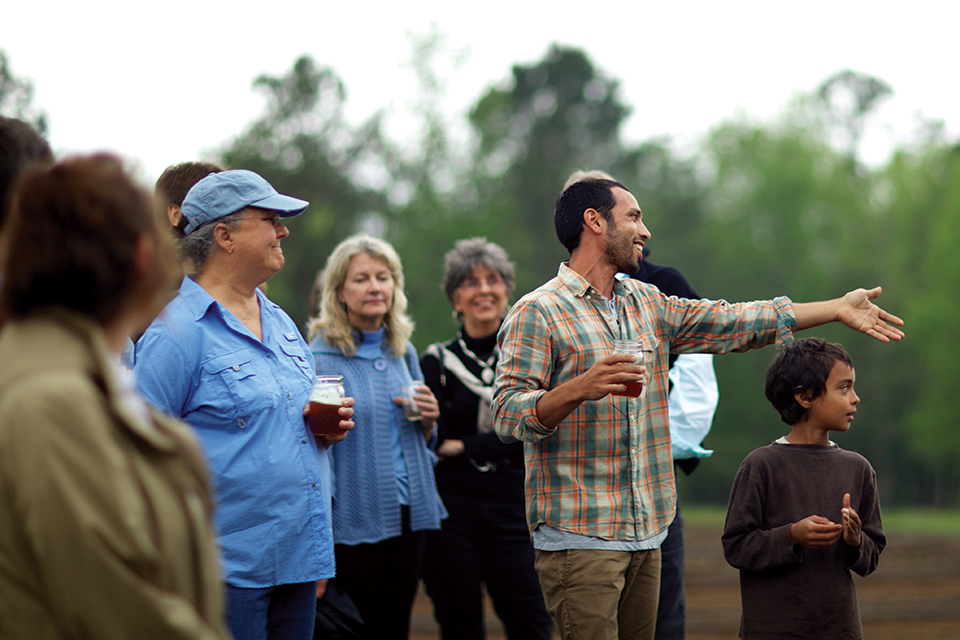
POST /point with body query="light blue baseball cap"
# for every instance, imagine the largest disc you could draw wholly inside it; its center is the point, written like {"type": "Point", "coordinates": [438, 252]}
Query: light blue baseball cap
{"type": "Point", "coordinates": [220, 194]}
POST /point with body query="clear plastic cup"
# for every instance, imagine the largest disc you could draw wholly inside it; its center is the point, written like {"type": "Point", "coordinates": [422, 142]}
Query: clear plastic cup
{"type": "Point", "coordinates": [410, 407]}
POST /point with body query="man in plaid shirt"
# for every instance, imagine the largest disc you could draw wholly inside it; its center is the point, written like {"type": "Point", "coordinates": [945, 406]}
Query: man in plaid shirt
{"type": "Point", "coordinates": [599, 472]}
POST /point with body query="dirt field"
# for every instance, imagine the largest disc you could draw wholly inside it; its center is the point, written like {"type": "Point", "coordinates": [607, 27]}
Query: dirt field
{"type": "Point", "coordinates": [913, 595]}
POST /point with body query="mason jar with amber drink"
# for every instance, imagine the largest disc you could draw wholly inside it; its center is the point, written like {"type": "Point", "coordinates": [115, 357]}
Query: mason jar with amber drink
{"type": "Point", "coordinates": [634, 348]}
{"type": "Point", "coordinates": [326, 397]}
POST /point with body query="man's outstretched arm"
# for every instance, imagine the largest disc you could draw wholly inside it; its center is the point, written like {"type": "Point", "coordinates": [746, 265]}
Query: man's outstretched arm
{"type": "Point", "coordinates": [854, 310]}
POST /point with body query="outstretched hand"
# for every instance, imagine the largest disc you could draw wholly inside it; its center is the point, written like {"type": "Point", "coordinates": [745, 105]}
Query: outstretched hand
{"type": "Point", "coordinates": [857, 312]}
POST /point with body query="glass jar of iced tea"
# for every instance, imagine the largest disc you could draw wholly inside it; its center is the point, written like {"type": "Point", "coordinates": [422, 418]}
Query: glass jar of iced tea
{"type": "Point", "coordinates": [634, 348]}
{"type": "Point", "coordinates": [325, 401]}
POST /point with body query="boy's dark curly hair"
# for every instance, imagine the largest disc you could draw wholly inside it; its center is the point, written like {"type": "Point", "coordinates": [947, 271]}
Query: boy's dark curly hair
{"type": "Point", "coordinates": [801, 367]}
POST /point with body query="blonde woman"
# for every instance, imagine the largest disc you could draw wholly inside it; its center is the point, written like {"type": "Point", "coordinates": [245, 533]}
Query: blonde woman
{"type": "Point", "coordinates": [385, 495]}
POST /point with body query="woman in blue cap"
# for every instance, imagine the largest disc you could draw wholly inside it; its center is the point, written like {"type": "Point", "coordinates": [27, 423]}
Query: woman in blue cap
{"type": "Point", "coordinates": [233, 365]}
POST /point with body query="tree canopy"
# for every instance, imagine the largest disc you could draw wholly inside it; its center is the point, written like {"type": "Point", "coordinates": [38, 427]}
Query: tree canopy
{"type": "Point", "coordinates": [754, 210]}
{"type": "Point", "coordinates": [759, 209]}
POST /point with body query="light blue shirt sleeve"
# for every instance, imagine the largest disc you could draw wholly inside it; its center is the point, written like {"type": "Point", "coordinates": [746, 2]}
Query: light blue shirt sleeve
{"type": "Point", "coordinates": [692, 404]}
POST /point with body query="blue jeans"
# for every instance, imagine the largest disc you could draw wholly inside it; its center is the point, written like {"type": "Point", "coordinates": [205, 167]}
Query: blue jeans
{"type": "Point", "coordinates": [283, 612]}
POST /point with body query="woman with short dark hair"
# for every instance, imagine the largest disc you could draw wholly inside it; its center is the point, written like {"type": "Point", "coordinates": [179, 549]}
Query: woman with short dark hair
{"type": "Point", "coordinates": [106, 518]}
{"type": "Point", "coordinates": [485, 540]}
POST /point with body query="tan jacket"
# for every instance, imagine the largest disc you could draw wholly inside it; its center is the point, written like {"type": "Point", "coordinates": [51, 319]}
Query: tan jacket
{"type": "Point", "coordinates": [106, 526]}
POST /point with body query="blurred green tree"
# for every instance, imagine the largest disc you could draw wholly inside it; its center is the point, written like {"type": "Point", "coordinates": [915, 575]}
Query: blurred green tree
{"type": "Point", "coordinates": [788, 213]}
{"type": "Point", "coordinates": [848, 98]}
{"type": "Point", "coordinates": [922, 204]}
{"type": "Point", "coordinates": [757, 210]}
{"type": "Point", "coordinates": [16, 98]}
{"type": "Point", "coordinates": [555, 116]}
{"type": "Point", "coordinates": [304, 147]}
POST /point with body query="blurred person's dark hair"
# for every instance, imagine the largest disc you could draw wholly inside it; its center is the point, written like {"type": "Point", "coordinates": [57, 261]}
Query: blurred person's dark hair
{"type": "Point", "coordinates": [173, 185]}
{"type": "Point", "coordinates": [578, 197]}
{"type": "Point", "coordinates": [83, 235]}
{"type": "Point", "coordinates": [20, 147]}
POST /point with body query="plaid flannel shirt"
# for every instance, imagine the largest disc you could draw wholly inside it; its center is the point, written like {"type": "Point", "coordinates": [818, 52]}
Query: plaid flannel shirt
{"type": "Point", "coordinates": [606, 470]}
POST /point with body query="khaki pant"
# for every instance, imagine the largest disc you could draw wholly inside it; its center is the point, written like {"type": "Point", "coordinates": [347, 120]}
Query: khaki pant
{"type": "Point", "coordinates": [601, 595]}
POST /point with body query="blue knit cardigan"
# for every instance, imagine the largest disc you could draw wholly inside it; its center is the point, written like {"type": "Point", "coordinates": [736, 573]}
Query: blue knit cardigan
{"type": "Point", "coordinates": [365, 504]}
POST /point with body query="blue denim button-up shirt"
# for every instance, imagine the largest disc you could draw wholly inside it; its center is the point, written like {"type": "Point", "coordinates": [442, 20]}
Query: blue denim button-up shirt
{"type": "Point", "coordinates": [245, 399]}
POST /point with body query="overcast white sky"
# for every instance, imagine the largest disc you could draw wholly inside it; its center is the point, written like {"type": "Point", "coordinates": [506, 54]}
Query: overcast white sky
{"type": "Point", "coordinates": [164, 82]}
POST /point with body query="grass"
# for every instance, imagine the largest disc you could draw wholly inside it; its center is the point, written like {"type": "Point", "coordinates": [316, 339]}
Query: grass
{"type": "Point", "coordinates": [897, 521]}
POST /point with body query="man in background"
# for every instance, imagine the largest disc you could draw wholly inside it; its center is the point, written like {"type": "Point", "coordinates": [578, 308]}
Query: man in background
{"type": "Point", "coordinates": [173, 185]}
{"type": "Point", "coordinates": [168, 194]}
{"type": "Point", "coordinates": [20, 147]}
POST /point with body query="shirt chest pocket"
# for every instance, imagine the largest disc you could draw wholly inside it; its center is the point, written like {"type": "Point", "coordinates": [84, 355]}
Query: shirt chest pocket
{"type": "Point", "coordinates": [294, 351]}
{"type": "Point", "coordinates": [237, 385]}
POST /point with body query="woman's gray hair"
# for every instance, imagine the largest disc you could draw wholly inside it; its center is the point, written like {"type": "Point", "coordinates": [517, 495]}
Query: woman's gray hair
{"type": "Point", "coordinates": [196, 247]}
{"type": "Point", "coordinates": [466, 255]}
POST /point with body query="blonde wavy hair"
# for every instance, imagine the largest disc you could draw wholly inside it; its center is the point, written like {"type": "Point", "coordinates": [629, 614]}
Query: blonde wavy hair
{"type": "Point", "coordinates": [331, 318]}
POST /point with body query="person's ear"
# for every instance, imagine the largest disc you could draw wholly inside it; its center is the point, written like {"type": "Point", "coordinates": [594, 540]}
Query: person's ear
{"type": "Point", "coordinates": [804, 399]}
{"type": "Point", "coordinates": [174, 215]}
{"type": "Point", "coordinates": [591, 221]}
{"type": "Point", "coordinates": [223, 236]}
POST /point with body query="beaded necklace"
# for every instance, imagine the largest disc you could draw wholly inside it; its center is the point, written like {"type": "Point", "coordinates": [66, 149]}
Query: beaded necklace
{"type": "Point", "coordinates": [486, 365]}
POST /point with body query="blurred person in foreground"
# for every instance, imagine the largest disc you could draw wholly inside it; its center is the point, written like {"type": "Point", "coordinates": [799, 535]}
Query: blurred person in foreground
{"type": "Point", "coordinates": [794, 559]}
{"type": "Point", "coordinates": [106, 526]}
{"type": "Point", "coordinates": [599, 471]}
{"type": "Point", "coordinates": [385, 494]}
{"type": "Point", "coordinates": [232, 364]}
{"type": "Point", "coordinates": [692, 402]}
{"type": "Point", "coordinates": [485, 540]}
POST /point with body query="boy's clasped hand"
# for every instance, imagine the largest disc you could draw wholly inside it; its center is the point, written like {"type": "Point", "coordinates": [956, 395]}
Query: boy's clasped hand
{"type": "Point", "coordinates": [817, 532]}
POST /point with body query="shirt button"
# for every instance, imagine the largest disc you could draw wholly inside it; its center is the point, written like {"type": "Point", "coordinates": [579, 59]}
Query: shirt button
{"type": "Point", "coordinates": [289, 396]}
{"type": "Point", "coordinates": [303, 441]}
{"type": "Point", "coordinates": [314, 485]}
{"type": "Point", "coordinates": [379, 364]}
{"type": "Point", "coordinates": [269, 355]}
